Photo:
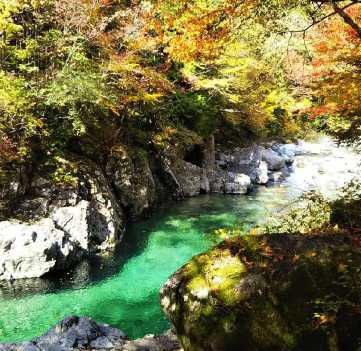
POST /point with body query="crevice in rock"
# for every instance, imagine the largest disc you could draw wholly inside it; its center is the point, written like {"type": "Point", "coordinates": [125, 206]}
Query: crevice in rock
{"type": "Point", "coordinates": [195, 156]}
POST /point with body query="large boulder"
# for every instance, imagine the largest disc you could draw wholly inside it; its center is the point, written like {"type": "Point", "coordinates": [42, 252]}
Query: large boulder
{"type": "Point", "coordinates": [225, 182]}
{"type": "Point", "coordinates": [269, 293]}
{"type": "Point", "coordinates": [237, 183]}
{"type": "Point", "coordinates": [254, 161]}
{"type": "Point", "coordinates": [274, 161]}
{"type": "Point", "coordinates": [73, 333]}
{"type": "Point", "coordinates": [189, 178]}
{"type": "Point", "coordinates": [82, 333]}
{"type": "Point", "coordinates": [242, 160]}
{"type": "Point", "coordinates": [29, 250]}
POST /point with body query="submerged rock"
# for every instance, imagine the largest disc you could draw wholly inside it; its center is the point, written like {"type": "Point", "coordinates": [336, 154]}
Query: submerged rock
{"type": "Point", "coordinates": [275, 292]}
{"type": "Point", "coordinates": [82, 333]}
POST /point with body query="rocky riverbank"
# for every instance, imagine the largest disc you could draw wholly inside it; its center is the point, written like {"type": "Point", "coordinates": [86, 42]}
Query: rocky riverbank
{"type": "Point", "coordinates": [54, 225]}
{"type": "Point", "coordinates": [81, 333]}
{"type": "Point", "coordinates": [274, 292]}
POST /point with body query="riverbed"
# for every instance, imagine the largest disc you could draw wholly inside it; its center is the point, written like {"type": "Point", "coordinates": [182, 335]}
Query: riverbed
{"type": "Point", "coordinates": [122, 289]}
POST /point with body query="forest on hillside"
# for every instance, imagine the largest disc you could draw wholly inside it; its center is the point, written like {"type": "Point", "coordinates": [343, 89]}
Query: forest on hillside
{"type": "Point", "coordinates": [78, 76]}
{"type": "Point", "coordinates": [247, 110]}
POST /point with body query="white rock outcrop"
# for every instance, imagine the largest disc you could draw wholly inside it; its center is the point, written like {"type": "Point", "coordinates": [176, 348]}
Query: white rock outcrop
{"type": "Point", "coordinates": [262, 173]}
{"type": "Point", "coordinates": [32, 250]}
{"type": "Point", "coordinates": [237, 184]}
{"type": "Point", "coordinates": [29, 250]}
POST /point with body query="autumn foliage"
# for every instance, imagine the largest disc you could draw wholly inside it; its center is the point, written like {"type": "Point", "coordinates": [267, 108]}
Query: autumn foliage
{"type": "Point", "coordinates": [80, 73]}
{"type": "Point", "coordinates": [336, 75]}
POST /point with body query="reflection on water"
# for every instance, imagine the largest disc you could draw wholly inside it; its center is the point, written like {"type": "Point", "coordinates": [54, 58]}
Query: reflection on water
{"type": "Point", "coordinates": [122, 289]}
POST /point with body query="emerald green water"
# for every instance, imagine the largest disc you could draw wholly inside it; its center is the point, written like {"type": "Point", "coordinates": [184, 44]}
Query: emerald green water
{"type": "Point", "coordinates": [123, 291]}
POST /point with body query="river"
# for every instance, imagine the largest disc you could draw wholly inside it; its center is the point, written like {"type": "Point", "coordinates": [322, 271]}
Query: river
{"type": "Point", "coordinates": [122, 290]}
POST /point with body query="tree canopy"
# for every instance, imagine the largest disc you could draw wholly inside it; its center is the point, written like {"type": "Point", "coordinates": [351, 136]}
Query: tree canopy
{"type": "Point", "coordinates": [81, 73]}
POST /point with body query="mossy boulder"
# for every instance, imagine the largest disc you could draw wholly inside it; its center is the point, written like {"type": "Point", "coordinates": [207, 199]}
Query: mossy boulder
{"type": "Point", "coordinates": [274, 292]}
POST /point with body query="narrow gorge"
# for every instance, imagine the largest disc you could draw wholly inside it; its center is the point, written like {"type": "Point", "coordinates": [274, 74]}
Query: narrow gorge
{"type": "Point", "coordinates": [180, 175]}
{"type": "Point", "coordinates": [121, 287]}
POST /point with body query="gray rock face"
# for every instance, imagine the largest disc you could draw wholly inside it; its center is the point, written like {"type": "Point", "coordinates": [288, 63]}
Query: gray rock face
{"type": "Point", "coordinates": [106, 219]}
{"type": "Point", "coordinates": [242, 160]}
{"type": "Point", "coordinates": [237, 184]}
{"type": "Point", "coordinates": [260, 164]}
{"type": "Point", "coordinates": [29, 250]}
{"type": "Point", "coordinates": [225, 182]}
{"type": "Point", "coordinates": [73, 333]}
{"type": "Point", "coordinates": [63, 224]}
{"type": "Point", "coordinates": [82, 333]}
{"type": "Point", "coordinates": [87, 215]}
{"type": "Point", "coordinates": [217, 180]}
{"type": "Point", "coordinates": [189, 177]}
{"type": "Point", "coordinates": [133, 181]}
{"type": "Point", "coordinates": [73, 222]}
{"type": "Point", "coordinates": [248, 161]}
{"type": "Point", "coordinates": [43, 196]}
{"type": "Point", "coordinates": [274, 161]}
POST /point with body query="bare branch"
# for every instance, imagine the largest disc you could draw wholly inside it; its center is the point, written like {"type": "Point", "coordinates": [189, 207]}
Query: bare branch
{"type": "Point", "coordinates": [325, 17]}
{"type": "Point", "coordinates": [347, 18]}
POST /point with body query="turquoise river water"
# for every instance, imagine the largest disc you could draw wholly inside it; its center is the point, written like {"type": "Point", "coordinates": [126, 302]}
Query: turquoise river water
{"type": "Point", "coordinates": [122, 290]}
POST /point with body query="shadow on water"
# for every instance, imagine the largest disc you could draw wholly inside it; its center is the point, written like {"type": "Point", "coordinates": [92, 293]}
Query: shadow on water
{"type": "Point", "coordinates": [122, 288]}
{"type": "Point", "coordinates": [90, 270]}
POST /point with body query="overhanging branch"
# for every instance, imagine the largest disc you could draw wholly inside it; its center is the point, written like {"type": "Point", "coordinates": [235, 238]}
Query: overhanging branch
{"type": "Point", "coordinates": [346, 17]}
{"type": "Point", "coordinates": [337, 11]}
